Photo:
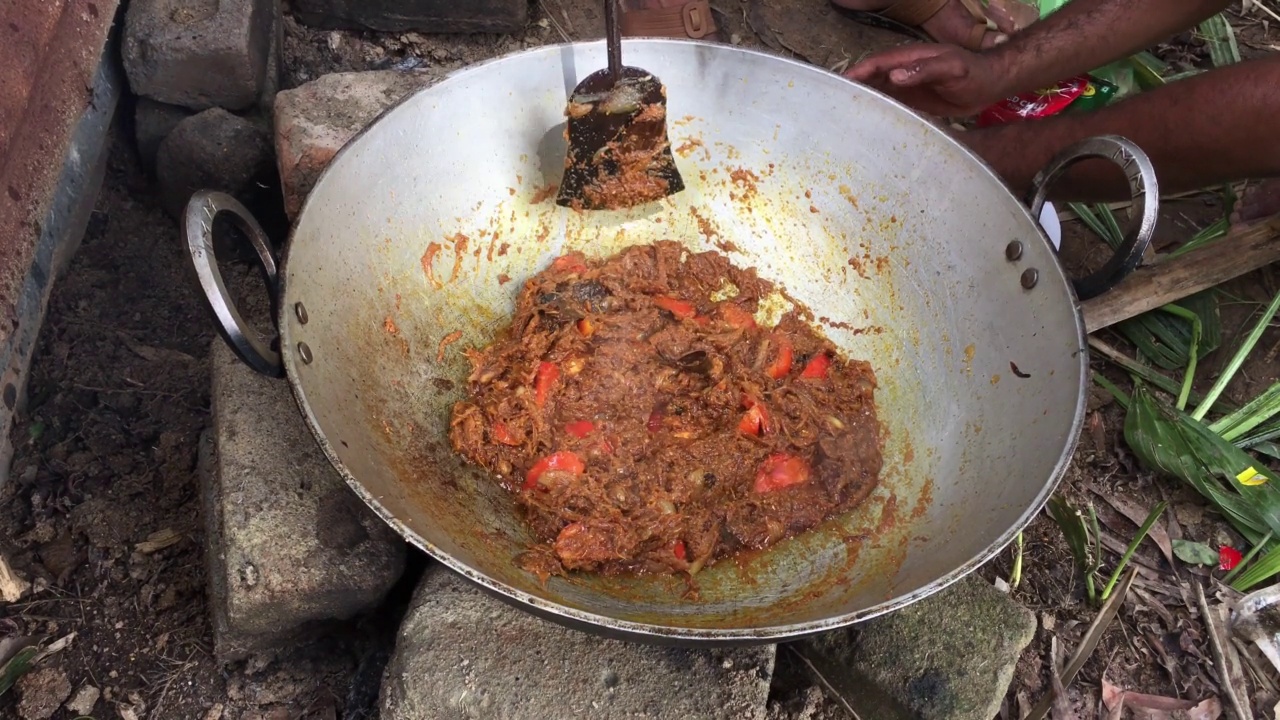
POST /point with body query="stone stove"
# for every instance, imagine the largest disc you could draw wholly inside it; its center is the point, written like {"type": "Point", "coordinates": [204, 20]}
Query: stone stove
{"type": "Point", "coordinates": [290, 547]}
{"type": "Point", "coordinates": [290, 550]}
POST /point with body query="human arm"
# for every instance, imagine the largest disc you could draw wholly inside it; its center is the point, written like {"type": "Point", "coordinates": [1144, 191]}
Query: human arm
{"type": "Point", "coordinates": [1082, 35]}
{"type": "Point", "coordinates": [1212, 128]}
{"type": "Point", "coordinates": [1087, 34]}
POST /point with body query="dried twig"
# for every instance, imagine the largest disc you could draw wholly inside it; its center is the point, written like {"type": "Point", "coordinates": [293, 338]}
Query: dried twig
{"type": "Point", "coordinates": [1260, 674]}
{"type": "Point", "coordinates": [1213, 622]}
{"type": "Point", "coordinates": [555, 23]}
{"type": "Point", "coordinates": [831, 691]}
{"type": "Point", "coordinates": [1263, 7]}
{"type": "Point", "coordinates": [178, 669]}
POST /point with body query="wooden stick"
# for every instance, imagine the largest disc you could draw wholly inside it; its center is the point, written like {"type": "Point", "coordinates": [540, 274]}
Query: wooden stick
{"type": "Point", "coordinates": [1151, 286]}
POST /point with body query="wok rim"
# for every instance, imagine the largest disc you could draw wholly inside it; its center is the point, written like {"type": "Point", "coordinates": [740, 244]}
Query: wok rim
{"type": "Point", "coordinates": [668, 634]}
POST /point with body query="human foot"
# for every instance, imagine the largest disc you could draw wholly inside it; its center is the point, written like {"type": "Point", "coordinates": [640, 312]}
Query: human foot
{"type": "Point", "coordinates": [668, 18]}
{"type": "Point", "coordinates": [1261, 200]}
{"type": "Point", "coordinates": [956, 22]}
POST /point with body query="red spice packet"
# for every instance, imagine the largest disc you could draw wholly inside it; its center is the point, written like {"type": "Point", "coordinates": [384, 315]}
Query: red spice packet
{"type": "Point", "coordinates": [1035, 104]}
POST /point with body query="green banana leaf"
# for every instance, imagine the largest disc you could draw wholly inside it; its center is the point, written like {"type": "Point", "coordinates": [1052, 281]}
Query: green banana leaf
{"type": "Point", "coordinates": [1174, 443]}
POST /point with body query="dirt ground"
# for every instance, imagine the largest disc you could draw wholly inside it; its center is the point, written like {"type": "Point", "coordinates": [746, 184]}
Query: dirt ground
{"type": "Point", "coordinates": [101, 514]}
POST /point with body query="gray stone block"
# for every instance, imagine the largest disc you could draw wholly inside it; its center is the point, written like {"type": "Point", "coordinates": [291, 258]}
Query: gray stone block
{"type": "Point", "coordinates": [947, 657]}
{"type": "Point", "coordinates": [288, 545]}
{"type": "Point", "coordinates": [213, 150]}
{"type": "Point", "coordinates": [430, 16]}
{"type": "Point", "coordinates": [463, 654]}
{"type": "Point", "coordinates": [198, 53]}
{"type": "Point", "coordinates": [152, 123]}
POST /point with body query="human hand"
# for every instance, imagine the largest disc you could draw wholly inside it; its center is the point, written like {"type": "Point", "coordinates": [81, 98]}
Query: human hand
{"type": "Point", "coordinates": [943, 80]}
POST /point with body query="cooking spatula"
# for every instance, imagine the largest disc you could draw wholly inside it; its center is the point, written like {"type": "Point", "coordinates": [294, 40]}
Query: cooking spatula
{"type": "Point", "coordinates": [619, 153]}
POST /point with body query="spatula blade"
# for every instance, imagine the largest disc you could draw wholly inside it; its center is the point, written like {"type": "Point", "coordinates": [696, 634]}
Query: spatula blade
{"type": "Point", "coordinates": [619, 153]}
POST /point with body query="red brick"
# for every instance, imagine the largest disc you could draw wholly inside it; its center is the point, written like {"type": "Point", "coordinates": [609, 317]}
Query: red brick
{"type": "Point", "coordinates": [39, 108]}
{"type": "Point", "coordinates": [25, 40]}
{"type": "Point", "coordinates": [314, 121]}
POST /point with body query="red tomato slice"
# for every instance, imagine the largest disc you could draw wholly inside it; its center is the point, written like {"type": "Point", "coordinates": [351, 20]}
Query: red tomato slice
{"type": "Point", "coordinates": [501, 434]}
{"type": "Point", "coordinates": [780, 471]}
{"type": "Point", "coordinates": [571, 263]}
{"type": "Point", "coordinates": [562, 460]}
{"type": "Point", "coordinates": [781, 364]}
{"type": "Point", "coordinates": [736, 317]}
{"type": "Point", "coordinates": [548, 373]}
{"type": "Point", "coordinates": [817, 366]}
{"type": "Point", "coordinates": [580, 428]}
{"type": "Point", "coordinates": [755, 421]}
{"type": "Point", "coordinates": [680, 308]}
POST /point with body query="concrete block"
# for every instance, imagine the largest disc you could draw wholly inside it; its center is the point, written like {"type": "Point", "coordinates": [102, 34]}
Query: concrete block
{"type": "Point", "coordinates": [213, 150]}
{"type": "Point", "coordinates": [314, 121]}
{"type": "Point", "coordinates": [55, 130]}
{"type": "Point", "coordinates": [463, 654]}
{"type": "Point", "coordinates": [198, 53]}
{"type": "Point", "coordinates": [431, 16]}
{"type": "Point", "coordinates": [947, 657]}
{"type": "Point", "coordinates": [152, 123]}
{"type": "Point", "coordinates": [287, 544]}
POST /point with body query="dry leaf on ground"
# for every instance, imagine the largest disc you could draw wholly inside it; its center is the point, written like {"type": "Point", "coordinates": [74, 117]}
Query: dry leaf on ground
{"type": "Point", "coordinates": [1210, 709]}
{"type": "Point", "coordinates": [1061, 708]}
{"type": "Point", "coordinates": [1156, 707]}
{"type": "Point", "coordinates": [1226, 664]}
{"type": "Point", "coordinates": [158, 354]}
{"type": "Point", "coordinates": [12, 587]}
{"type": "Point", "coordinates": [158, 540]}
{"type": "Point", "coordinates": [1138, 515]}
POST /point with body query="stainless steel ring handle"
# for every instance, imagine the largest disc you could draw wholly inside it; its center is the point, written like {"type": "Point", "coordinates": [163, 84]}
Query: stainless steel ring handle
{"type": "Point", "coordinates": [1141, 174]}
{"type": "Point", "coordinates": [198, 227]}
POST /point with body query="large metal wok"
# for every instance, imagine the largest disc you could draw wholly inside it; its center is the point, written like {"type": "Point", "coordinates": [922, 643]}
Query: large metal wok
{"type": "Point", "coordinates": [906, 245]}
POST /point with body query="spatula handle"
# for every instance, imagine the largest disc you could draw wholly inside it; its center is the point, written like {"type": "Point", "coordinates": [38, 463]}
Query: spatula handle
{"type": "Point", "coordinates": [613, 39]}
